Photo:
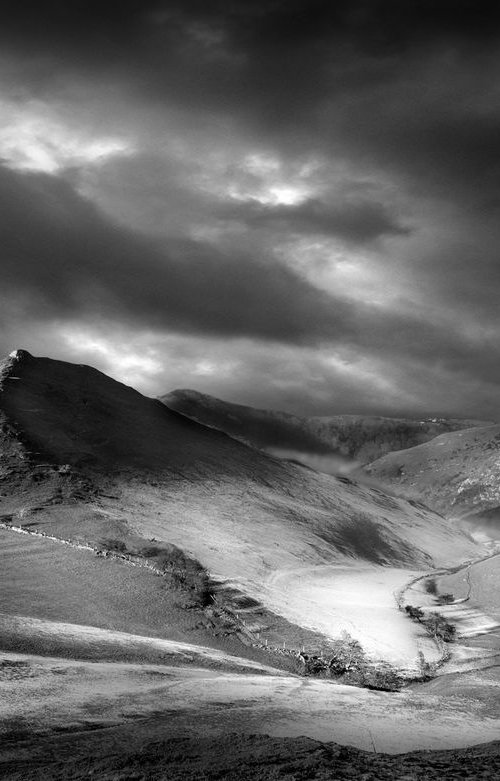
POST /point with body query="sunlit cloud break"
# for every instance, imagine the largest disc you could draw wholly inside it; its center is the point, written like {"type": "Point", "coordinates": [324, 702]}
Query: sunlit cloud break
{"type": "Point", "coordinates": [32, 138]}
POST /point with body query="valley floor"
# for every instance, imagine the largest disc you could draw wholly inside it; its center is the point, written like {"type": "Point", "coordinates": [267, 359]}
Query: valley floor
{"type": "Point", "coordinates": [104, 687]}
{"type": "Point", "coordinates": [359, 600]}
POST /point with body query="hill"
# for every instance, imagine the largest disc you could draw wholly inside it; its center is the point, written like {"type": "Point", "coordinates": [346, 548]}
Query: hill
{"type": "Point", "coordinates": [158, 578]}
{"type": "Point", "coordinates": [351, 437]}
{"type": "Point", "coordinates": [65, 414]}
{"type": "Point", "coordinates": [87, 458]}
{"type": "Point", "coordinates": [456, 473]}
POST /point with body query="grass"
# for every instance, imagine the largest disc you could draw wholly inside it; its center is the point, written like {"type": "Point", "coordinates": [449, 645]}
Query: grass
{"type": "Point", "coordinates": [484, 578]}
{"type": "Point", "coordinates": [45, 580]}
{"type": "Point", "coordinates": [183, 573]}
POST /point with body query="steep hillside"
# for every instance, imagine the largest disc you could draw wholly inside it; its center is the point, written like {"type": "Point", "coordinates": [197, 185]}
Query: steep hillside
{"type": "Point", "coordinates": [75, 415]}
{"type": "Point", "coordinates": [457, 473]}
{"type": "Point", "coordinates": [355, 437]}
{"type": "Point", "coordinates": [81, 453]}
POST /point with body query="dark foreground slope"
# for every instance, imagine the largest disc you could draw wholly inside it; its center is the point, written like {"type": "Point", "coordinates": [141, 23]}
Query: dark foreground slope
{"type": "Point", "coordinates": [354, 437]}
{"type": "Point", "coordinates": [121, 755]}
{"type": "Point", "coordinates": [457, 473]}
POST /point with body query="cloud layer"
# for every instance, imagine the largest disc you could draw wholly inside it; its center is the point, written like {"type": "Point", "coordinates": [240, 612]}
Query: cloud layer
{"type": "Point", "coordinates": [287, 203]}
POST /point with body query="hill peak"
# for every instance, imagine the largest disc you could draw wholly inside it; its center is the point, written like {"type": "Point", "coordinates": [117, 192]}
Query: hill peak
{"type": "Point", "coordinates": [76, 414]}
{"type": "Point", "coordinates": [20, 355]}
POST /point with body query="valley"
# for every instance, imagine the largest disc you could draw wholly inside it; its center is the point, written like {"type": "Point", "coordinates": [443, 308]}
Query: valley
{"type": "Point", "coordinates": [162, 583]}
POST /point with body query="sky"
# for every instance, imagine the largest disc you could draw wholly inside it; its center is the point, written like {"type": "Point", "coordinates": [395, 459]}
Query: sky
{"type": "Point", "coordinates": [292, 204]}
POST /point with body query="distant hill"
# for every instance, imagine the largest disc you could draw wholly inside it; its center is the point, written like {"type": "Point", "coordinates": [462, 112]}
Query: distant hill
{"type": "Point", "coordinates": [261, 428]}
{"type": "Point", "coordinates": [355, 437]}
{"type": "Point", "coordinates": [457, 473]}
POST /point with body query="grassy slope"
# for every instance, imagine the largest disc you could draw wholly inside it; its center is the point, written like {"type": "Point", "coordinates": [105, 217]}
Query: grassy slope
{"type": "Point", "coordinates": [59, 583]}
{"type": "Point", "coordinates": [204, 488]}
{"type": "Point", "coordinates": [484, 578]}
{"type": "Point", "coordinates": [49, 582]}
{"type": "Point", "coordinates": [456, 473]}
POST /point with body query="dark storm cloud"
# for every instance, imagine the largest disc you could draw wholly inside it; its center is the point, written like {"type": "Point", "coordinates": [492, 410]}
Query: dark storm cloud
{"type": "Point", "coordinates": [398, 22]}
{"type": "Point", "coordinates": [63, 259]}
{"type": "Point", "coordinates": [359, 78]}
{"type": "Point", "coordinates": [403, 90]}
{"type": "Point", "coordinates": [62, 253]}
{"type": "Point", "coordinates": [357, 221]}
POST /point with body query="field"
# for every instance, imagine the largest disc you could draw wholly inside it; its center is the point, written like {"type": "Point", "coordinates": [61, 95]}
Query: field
{"type": "Point", "coordinates": [483, 578]}
{"type": "Point", "coordinates": [45, 586]}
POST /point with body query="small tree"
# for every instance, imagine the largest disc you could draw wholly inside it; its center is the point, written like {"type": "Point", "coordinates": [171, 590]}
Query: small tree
{"type": "Point", "coordinates": [431, 586]}
{"type": "Point", "coordinates": [426, 669]}
{"type": "Point", "coordinates": [315, 665]}
{"type": "Point", "coordinates": [346, 655]}
{"type": "Point", "coordinates": [415, 613]}
{"type": "Point", "coordinates": [439, 627]}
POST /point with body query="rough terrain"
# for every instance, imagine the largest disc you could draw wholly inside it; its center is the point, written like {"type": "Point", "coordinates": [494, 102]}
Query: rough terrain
{"type": "Point", "coordinates": [158, 580]}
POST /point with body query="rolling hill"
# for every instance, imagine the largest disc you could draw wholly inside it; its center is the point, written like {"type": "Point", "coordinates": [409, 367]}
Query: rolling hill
{"type": "Point", "coordinates": [351, 437]}
{"type": "Point", "coordinates": [456, 473]}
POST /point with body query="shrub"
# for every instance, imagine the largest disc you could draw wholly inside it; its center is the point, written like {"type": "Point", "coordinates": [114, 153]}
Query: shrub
{"type": "Point", "coordinates": [382, 677]}
{"type": "Point", "coordinates": [184, 573]}
{"type": "Point", "coordinates": [431, 586]}
{"type": "Point", "coordinates": [114, 545]}
{"type": "Point", "coordinates": [346, 654]}
{"type": "Point", "coordinates": [415, 613]}
{"type": "Point", "coordinates": [439, 627]}
{"type": "Point", "coordinates": [315, 665]}
{"type": "Point", "coordinates": [435, 624]}
{"type": "Point", "coordinates": [150, 551]}
{"type": "Point", "coordinates": [347, 660]}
